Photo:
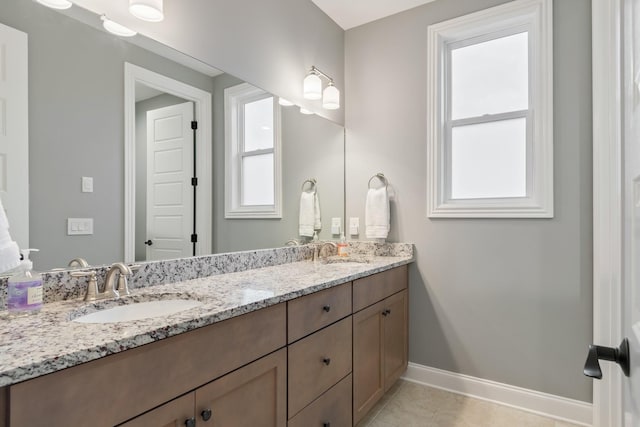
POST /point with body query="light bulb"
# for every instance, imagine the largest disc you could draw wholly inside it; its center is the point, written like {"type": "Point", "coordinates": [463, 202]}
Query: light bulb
{"type": "Point", "coordinates": [56, 4]}
{"type": "Point", "coordinates": [115, 28]}
{"type": "Point", "coordinates": [312, 86]}
{"type": "Point", "coordinates": [147, 10]}
{"type": "Point", "coordinates": [331, 97]}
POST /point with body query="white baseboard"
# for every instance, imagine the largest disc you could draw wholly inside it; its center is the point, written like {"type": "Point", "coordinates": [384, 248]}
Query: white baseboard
{"type": "Point", "coordinates": [548, 405]}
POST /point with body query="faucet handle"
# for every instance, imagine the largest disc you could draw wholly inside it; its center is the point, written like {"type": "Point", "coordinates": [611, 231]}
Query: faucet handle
{"type": "Point", "coordinates": [92, 287]}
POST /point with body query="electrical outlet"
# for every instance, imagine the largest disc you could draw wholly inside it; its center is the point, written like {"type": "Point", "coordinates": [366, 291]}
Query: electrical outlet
{"type": "Point", "coordinates": [354, 226]}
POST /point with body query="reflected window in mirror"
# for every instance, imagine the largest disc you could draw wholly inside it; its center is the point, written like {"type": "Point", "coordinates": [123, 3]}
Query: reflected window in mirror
{"type": "Point", "coordinates": [252, 153]}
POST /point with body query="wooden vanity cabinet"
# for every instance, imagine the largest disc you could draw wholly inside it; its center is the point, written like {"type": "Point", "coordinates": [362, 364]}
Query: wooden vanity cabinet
{"type": "Point", "coordinates": [116, 388]}
{"type": "Point", "coordinates": [380, 337]}
{"type": "Point", "coordinates": [223, 402]}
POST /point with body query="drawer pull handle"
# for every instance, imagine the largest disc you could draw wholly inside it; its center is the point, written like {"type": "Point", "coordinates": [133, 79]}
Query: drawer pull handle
{"type": "Point", "coordinates": [386, 312]}
{"type": "Point", "coordinates": [327, 308]}
{"type": "Point", "coordinates": [190, 422]}
{"type": "Point", "coordinates": [326, 424]}
{"type": "Point", "coordinates": [206, 414]}
{"type": "Point", "coordinates": [326, 361]}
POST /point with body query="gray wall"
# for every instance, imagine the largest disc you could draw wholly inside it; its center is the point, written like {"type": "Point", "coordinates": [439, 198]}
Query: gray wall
{"type": "Point", "coordinates": [270, 43]}
{"type": "Point", "coordinates": [505, 300]}
{"type": "Point", "coordinates": [142, 108]}
{"type": "Point", "coordinates": [311, 147]}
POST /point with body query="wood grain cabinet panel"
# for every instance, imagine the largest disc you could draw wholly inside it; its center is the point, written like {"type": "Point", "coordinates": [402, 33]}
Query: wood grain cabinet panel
{"type": "Point", "coordinates": [333, 408]}
{"type": "Point", "coordinates": [379, 351]}
{"type": "Point", "coordinates": [252, 396]}
{"type": "Point", "coordinates": [312, 312]}
{"type": "Point", "coordinates": [371, 289]}
{"type": "Point", "coordinates": [175, 413]}
{"type": "Point", "coordinates": [318, 362]}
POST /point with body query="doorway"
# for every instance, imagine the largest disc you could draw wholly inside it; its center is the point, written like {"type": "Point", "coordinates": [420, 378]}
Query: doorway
{"type": "Point", "coordinates": [169, 91]}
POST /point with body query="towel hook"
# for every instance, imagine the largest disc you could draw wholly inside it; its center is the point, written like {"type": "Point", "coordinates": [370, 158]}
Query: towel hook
{"type": "Point", "coordinates": [311, 181]}
{"type": "Point", "coordinates": [381, 177]}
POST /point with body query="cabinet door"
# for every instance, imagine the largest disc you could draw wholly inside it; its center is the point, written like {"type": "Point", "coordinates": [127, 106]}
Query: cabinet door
{"type": "Point", "coordinates": [175, 413]}
{"type": "Point", "coordinates": [368, 359]}
{"type": "Point", "coordinates": [252, 396]}
{"type": "Point", "coordinates": [395, 337]}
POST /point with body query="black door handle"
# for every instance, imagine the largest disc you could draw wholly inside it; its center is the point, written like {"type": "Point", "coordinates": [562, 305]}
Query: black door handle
{"type": "Point", "coordinates": [149, 242]}
{"type": "Point", "coordinates": [619, 355]}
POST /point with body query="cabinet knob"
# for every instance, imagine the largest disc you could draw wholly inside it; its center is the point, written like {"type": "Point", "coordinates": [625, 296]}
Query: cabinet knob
{"type": "Point", "coordinates": [326, 361]}
{"type": "Point", "coordinates": [190, 422]}
{"type": "Point", "coordinates": [326, 424]}
{"type": "Point", "coordinates": [386, 312]}
{"type": "Point", "coordinates": [206, 414]}
{"type": "Point", "coordinates": [327, 308]}
{"type": "Point", "coordinates": [149, 242]}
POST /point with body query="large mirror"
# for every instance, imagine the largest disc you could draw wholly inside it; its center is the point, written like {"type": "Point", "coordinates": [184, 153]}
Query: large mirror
{"type": "Point", "coordinates": [80, 166]}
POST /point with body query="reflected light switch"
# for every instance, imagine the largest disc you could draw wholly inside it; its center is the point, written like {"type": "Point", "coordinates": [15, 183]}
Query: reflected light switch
{"type": "Point", "coordinates": [79, 226]}
{"type": "Point", "coordinates": [87, 184]}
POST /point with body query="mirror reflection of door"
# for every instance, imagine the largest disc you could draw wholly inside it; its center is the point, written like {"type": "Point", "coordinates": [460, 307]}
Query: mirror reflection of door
{"type": "Point", "coordinates": [164, 168]}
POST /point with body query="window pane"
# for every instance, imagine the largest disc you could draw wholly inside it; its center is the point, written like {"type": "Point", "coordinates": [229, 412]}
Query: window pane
{"type": "Point", "coordinates": [490, 77]}
{"type": "Point", "coordinates": [489, 160]}
{"type": "Point", "coordinates": [258, 124]}
{"type": "Point", "coordinates": [257, 180]}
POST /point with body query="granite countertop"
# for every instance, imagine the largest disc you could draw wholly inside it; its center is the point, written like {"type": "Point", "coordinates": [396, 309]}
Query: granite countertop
{"type": "Point", "coordinates": [47, 342]}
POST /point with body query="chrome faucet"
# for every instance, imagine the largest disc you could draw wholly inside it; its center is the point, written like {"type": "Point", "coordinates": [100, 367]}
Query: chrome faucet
{"type": "Point", "coordinates": [319, 249]}
{"type": "Point", "coordinates": [78, 263]}
{"type": "Point", "coordinates": [111, 290]}
{"type": "Point", "coordinates": [292, 242]}
{"type": "Point", "coordinates": [122, 289]}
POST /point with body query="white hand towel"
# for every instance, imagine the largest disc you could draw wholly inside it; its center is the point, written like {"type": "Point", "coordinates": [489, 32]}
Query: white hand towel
{"type": "Point", "coordinates": [377, 215]}
{"type": "Point", "coordinates": [317, 223]}
{"type": "Point", "coordinates": [9, 251]}
{"type": "Point", "coordinates": [307, 213]}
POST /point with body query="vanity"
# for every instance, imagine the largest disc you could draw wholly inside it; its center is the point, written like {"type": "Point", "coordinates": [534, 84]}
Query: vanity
{"type": "Point", "coordinates": [296, 344]}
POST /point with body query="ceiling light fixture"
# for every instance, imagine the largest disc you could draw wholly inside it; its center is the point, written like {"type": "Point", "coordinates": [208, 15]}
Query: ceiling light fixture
{"type": "Point", "coordinates": [284, 102]}
{"type": "Point", "coordinates": [115, 28]}
{"type": "Point", "coordinates": [147, 10]}
{"type": "Point", "coordinates": [56, 4]}
{"type": "Point", "coordinates": [312, 89]}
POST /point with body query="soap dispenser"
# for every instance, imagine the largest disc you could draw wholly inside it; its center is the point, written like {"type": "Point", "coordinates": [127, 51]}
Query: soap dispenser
{"type": "Point", "coordinates": [25, 288]}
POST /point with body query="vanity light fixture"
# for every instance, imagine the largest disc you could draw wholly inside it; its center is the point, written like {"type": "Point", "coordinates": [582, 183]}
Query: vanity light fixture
{"type": "Point", "coordinates": [305, 111]}
{"type": "Point", "coordinates": [312, 89]}
{"type": "Point", "coordinates": [56, 4]}
{"type": "Point", "coordinates": [115, 28]}
{"type": "Point", "coordinates": [147, 10]}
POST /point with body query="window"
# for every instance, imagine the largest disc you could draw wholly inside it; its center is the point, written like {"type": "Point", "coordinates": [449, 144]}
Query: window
{"type": "Point", "coordinates": [490, 120]}
{"type": "Point", "coordinates": [252, 153]}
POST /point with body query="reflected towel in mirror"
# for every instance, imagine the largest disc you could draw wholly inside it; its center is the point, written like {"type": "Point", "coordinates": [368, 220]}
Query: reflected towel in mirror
{"type": "Point", "coordinates": [9, 251]}
{"type": "Point", "coordinates": [309, 213]}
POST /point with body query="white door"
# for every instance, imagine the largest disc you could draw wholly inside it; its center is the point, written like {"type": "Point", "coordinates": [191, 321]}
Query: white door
{"type": "Point", "coordinates": [169, 191]}
{"type": "Point", "coordinates": [14, 132]}
{"type": "Point", "coordinates": [631, 207]}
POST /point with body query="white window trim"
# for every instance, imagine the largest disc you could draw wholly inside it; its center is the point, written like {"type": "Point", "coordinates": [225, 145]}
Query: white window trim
{"type": "Point", "coordinates": [536, 16]}
{"type": "Point", "coordinates": [234, 97]}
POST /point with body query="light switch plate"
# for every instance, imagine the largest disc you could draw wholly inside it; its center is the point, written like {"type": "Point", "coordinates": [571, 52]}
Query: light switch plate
{"type": "Point", "coordinates": [87, 184]}
{"type": "Point", "coordinates": [336, 225]}
{"type": "Point", "coordinates": [79, 226]}
{"type": "Point", "coordinates": [354, 226]}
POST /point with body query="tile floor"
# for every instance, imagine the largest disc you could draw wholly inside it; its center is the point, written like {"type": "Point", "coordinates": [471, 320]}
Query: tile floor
{"type": "Point", "coordinates": [413, 405]}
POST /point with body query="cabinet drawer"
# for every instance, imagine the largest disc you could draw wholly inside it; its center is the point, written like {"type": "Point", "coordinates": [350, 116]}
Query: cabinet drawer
{"type": "Point", "coordinates": [154, 373]}
{"type": "Point", "coordinates": [310, 313]}
{"type": "Point", "coordinates": [332, 408]}
{"type": "Point", "coordinates": [318, 362]}
{"type": "Point", "coordinates": [370, 290]}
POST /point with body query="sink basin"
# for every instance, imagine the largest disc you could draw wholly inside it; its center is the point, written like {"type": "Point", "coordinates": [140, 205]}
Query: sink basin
{"type": "Point", "coordinates": [130, 309]}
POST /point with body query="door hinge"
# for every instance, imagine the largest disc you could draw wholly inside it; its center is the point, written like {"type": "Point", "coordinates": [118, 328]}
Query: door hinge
{"type": "Point", "coordinates": [194, 238]}
{"type": "Point", "coordinates": [194, 181]}
{"type": "Point", "coordinates": [194, 125]}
